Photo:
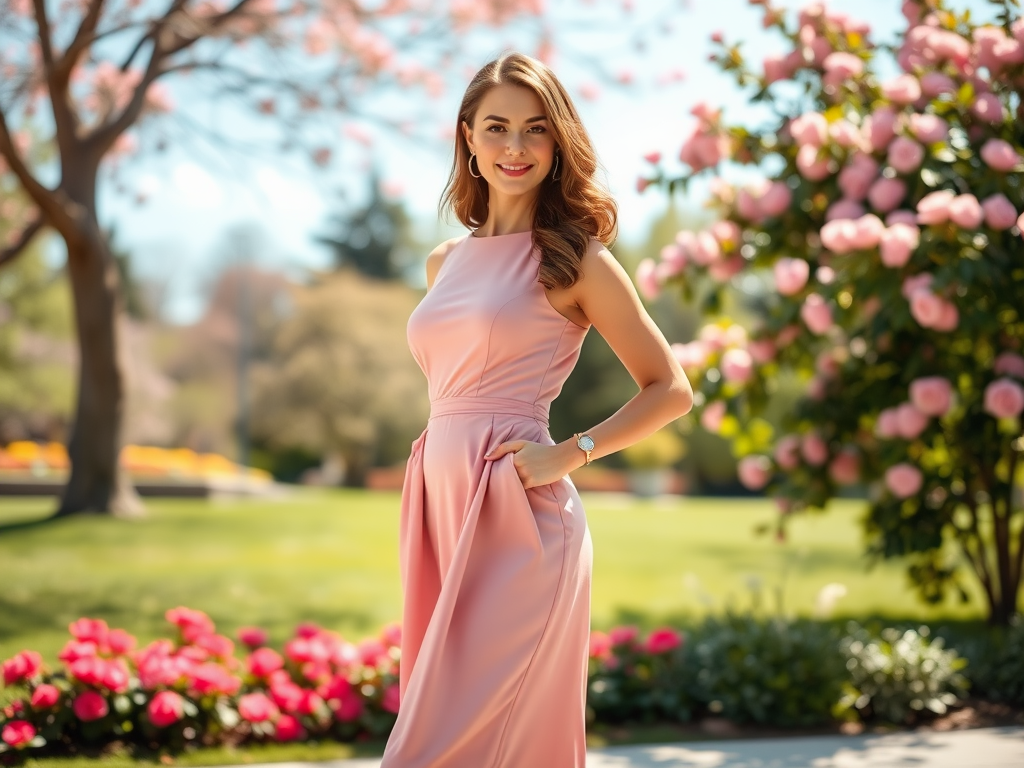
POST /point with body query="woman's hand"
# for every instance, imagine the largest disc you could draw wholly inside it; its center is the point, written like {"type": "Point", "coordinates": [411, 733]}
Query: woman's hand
{"type": "Point", "coordinates": [537, 463]}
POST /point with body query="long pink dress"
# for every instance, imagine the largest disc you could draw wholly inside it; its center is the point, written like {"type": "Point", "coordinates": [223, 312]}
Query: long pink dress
{"type": "Point", "coordinates": [496, 577]}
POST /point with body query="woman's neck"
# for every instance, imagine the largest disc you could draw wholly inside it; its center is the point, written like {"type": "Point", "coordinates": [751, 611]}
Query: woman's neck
{"type": "Point", "coordinates": [506, 215]}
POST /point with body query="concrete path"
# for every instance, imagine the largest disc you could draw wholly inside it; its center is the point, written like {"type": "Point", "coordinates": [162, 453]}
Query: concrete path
{"type": "Point", "coordinates": [978, 748]}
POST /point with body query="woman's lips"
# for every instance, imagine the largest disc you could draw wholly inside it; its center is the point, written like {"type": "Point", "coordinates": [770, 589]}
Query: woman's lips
{"type": "Point", "coordinates": [514, 170]}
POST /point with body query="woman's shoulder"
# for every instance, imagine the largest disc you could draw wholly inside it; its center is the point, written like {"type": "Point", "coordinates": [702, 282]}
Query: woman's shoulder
{"type": "Point", "coordinates": [437, 256]}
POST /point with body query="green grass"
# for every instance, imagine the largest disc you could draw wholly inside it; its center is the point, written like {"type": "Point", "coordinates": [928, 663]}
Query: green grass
{"type": "Point", "coordinates": [332, 557]}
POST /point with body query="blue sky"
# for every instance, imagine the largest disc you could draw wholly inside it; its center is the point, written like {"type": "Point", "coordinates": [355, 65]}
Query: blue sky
{"type": "Point", "coordinates": [175, 237]}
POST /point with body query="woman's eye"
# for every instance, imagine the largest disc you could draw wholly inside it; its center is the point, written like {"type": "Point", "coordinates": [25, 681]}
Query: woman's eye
{"type": "Point", "coordinates": [496, 127]}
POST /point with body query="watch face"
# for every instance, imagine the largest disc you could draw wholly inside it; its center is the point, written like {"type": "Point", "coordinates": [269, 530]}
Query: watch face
{"type": "Point", "coordinates": [586, 442]}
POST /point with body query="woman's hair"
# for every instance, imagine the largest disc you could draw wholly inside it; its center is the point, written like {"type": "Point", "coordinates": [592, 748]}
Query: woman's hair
{"type": "Point", "coordinates": [571, 209]}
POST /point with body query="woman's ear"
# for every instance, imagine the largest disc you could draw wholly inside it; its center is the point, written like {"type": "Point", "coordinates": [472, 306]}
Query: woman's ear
{"type": "Point", "coordinates": [467, 132]}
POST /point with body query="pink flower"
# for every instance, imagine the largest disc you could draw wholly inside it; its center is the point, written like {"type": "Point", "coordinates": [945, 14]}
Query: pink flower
{"type": "Point", "coordinates": [288, 728]}
{"type": "Point", "coordinates": [90, 705]}
{"type": "Point", "coordinates": [45, 696]}
{"type": "Point", "coordinates": [816, 314]}
{"type": "Point", "coordinates": [867, 233]}
{"type": "Point", "coordinates": [988, 108]}
{"type": "Point", "coordinates": [905, 155]}
{"type": "Point", "coordinates": [252, 637]}
{"type": "Point", "coordinates": [18, 733]}
{"type": "Point", "coordinates": [89, 631]}
{"type": "Point", "coordinates": [901, 217]}
{"type": "Point", "coordinates": [372, 652]}
{"type": "Point", "coordinates": [343, 699]}
{"type": "Point", "coordinates": [949, 317]}
{"type": "Point", "coordinates": [775, 68]}
{"type": "Point", "coordinates": [737, 366]}
{"type": "Point", "coordinates": [885, 194]}
{"type": "Point", "coordinates": [888, 425]}
{"type": "Point", "coordinates": [264, 661]}
{"type": "Point", "coordinates": [390, 700]}
{"type": "Point", "coordinates": [211, 679]}
{"type": "Point", "coordinates": [897, 243]}
{"type": "Point", "coordinates": [838, 235]}
{"type": "Point", "coordinates": [880, 128]}
{"type": "Point", "coordinates": [775, 200]}
{"type": "Point", "coordinates": [754, 472]}
{"type": "Point", "coordinates": [904, 89]}
{"type": "Point", "coordinates": [910, 422]}
{"type": "Point", "coordinates": [192, 623]}
{"type": "Point", "coordinates": [257, 708]}
{"type": "Point", "coordinates": [692, 355]}
{"type": "Point", "coordinates": [1009, 364]}
{"type": "Point", "coordinates": [810, 129]}
{"type": "Point", "coordinates": [600, 644]}
{"type": "Point", "coordinates": [623, 635]}
{"type": "Point", "coordinates": [840, 66]}
{"type": "Point", "coordinates": [844, 208]}
{"type": "Point", "coordinates": [22, 666]}
{"type": "Point", "coordinates": [933, 208]}
{"type": "Point", "coordinates": [813, 449]}
{"type": "Point", "coordinates": [845, 134]}
{"type": "Point", "coordinates": [663, 640]}
{"type": "Point", "coordinates": [932, 395]}
{"type": "Point", "coordinates": [120, 642]}
{"type": "Point", "coordinates": [1004, 399]}
{"type": "Point", "coordinates": [762, 350]}
{"type": "Point", "coordinates": [787, 452]}
{"type": "Point", "coordinates": [391, 635]}
{"type": "Point", "coordinates": [928, 128]}
{"type": "Point", "coordinates": [999, 211]}
{"type": "Point", "coordinates": [74, 650]}
{"type": "Point", "coordinates": [216, 645]}
{"type": "Point", "coordinates": [653, 157]}
{"type": "Point", "coordinates": [706, 248]}
{"type": "Point", "coordinates": [935, 83]}
{"type": "Point", "coordinates": [712, 415]}
{"type": "Point", "coordinates": [926, 308]}
{"type": "Point", "coordinates": [646, 279]}
{"type": "Point", "coordinates": [845, 467]}
{"type": "Point", "coordinates": [965, 211]}
{"type": "Point", "coordinates": [903, 480]}
{"type": "Point", "coordinates": [811, 166]}
{"type": "Point", "coordinates": [114, 675]}
{"type": "Point", "coordinates": [855, 179]}
{"type": "Point", "coordinates": [166, 708]}
{"type": "Point", "coordinates": [999, 155]}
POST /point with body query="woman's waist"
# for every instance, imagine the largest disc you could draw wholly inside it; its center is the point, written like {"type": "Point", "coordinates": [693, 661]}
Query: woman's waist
{"type": "Point", "coordinates": [488, 405]}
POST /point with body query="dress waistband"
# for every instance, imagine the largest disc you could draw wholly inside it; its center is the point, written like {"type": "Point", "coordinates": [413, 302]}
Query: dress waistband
{"type": "Point", "coordinates": [470, 404]}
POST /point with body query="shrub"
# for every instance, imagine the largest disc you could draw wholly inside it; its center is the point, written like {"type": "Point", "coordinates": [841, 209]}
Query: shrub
{"type": "Point", "coordinates": [900, 676]}
{"type": "Point", "coordinates": [772, 672]}
{"type": "Point", "coordinates": [997, 664]}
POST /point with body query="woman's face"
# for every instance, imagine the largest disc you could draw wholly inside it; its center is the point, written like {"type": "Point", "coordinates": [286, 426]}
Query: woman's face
{"type": "Point", "coordinates": [512, 139]}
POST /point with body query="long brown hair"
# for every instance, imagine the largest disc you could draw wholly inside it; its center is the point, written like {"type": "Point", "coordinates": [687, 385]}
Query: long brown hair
{"type": "Point", "coordinates": [571, 209]}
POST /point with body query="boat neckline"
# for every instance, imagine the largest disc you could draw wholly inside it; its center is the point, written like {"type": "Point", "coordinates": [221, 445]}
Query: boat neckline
{"type": "Point", "coordinates": [472, 236]}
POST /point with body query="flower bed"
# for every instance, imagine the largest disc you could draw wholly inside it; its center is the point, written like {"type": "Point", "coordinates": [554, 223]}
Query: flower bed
{"type": "Point", "coordinates": [193, 690]}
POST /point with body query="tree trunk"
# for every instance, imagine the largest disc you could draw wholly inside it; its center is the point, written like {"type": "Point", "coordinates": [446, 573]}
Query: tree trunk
{"type": "Point", "coordinates": [97, 484]}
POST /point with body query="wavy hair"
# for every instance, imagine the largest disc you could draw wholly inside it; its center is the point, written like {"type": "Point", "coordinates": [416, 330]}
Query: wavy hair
{"type": "Point", "coordinates": [569, 210]}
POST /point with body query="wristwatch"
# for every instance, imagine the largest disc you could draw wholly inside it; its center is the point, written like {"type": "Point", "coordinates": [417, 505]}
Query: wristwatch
{"type": "Point", "coordinates": [585, 443]}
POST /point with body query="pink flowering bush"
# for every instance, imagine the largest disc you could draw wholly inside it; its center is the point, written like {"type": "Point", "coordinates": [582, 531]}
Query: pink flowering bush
{"type": "Point", "coordinates": [881, 254]}
{"type": "Point", "coordinates": [192, 690]}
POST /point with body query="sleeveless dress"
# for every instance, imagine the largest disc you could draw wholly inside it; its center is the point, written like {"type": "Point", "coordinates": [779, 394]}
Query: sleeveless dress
{"type": "Point", "coordinates": [496, 578]}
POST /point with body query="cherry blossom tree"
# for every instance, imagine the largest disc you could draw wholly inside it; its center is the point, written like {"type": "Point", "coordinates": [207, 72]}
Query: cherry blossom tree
{"type": "Point", "coordinates": [78, 78]}
{"type": "Point", "coordinates": [880, 252]}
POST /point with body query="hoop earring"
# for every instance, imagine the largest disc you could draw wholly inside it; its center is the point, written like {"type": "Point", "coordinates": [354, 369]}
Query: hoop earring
{"type": "Point", "coordinates": [470, 164]}
{"type": "Point", "coordinates": [554, 173]}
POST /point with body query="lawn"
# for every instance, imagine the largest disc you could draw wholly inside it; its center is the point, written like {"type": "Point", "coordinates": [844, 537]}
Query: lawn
{"type": "Point", "coordinates": [331, 557]}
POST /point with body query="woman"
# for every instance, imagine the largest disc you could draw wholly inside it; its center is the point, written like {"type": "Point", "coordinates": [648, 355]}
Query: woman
{"type": "Point", "coordinates": [495, 551]}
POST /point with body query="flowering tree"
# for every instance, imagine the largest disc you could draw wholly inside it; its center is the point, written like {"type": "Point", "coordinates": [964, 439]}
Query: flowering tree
{"type": "Point", "coordinates": [77, 76]}
{"type": "Point", "coordinates": [882, 257]}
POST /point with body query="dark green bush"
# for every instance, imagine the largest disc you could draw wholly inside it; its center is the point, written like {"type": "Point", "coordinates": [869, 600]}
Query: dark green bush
{"type": "Point", "coordinates": [997, 663]}
{"type": "Point", "coordinates": [768, 671]}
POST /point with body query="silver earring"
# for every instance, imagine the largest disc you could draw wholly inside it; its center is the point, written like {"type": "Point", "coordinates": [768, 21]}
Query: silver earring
{"type": "Point", "coordinates": [554, 173]}
{"type": "Point", "coordinates": [474, 175]}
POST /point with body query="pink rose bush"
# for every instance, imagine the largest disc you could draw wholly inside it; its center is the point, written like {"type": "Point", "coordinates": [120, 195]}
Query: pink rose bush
{"type": "Point", "coordinates": [193, 689]}
{"type": "Point", "coordinates": [891, 274]}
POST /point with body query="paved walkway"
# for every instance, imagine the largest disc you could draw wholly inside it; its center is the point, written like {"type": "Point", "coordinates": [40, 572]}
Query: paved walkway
{"type": "Point", "coordinates": [978, 748]}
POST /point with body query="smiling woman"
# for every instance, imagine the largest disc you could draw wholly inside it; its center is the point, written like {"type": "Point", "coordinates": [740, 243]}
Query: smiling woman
{"type": "Point", "coordinates": [495, 549]}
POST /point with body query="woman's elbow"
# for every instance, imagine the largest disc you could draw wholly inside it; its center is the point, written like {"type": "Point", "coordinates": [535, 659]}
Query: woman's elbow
{"type": "Point", "coordinates": [682, 396]}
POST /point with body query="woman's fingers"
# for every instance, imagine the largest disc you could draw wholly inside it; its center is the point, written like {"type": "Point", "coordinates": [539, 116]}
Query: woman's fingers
{"type": "Point", "coordinates": [501, 450]}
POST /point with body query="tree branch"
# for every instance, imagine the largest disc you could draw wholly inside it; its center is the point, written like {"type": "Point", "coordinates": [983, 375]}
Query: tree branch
{"type": "Point", "coordinates": [84, 37]}
{"type": "Point", "coordinates": [980, 562]}
{"type": "Point", "coordinates": [16, 249]}
{"type": "Point", "coordinates": [47, 200]}
{"type": "Point", "coordinates": [45, 41]}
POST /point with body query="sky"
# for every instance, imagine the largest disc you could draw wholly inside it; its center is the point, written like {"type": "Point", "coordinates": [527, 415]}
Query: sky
{"type": "Point", "coordinates": [192, 202]}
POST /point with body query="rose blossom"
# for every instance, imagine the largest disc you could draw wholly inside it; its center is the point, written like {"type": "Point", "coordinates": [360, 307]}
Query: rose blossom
{"type": "Point", "coordinates": [838, 235]}
{"type": "Point", "coordinates": [646, 279]}
{"type": "Point", "coordinates": [903, 480]}
{"type": "Point", "coordinates": [868, 230]}
{"type": "Point", "coordinates": [810, 129]}
{"type": "Point", "coordinates": [810, 165]}
{"type": "Point", "coordinates": [897, 243]}
{"type": "Point", "coordinates": [775, 200]}
{"type": "Point", "coordinates": [840, 66]}
{"type": "Point", "coordinates": [933, 208]}
{"type": "Point", "coordinates": [791, 275]}
{"type": "Point", "coordinates": [904, 89]}
{"type": "Point", "coordinates": [999, 211]}
{"type": "Point", "coordinates": [845, 467]}
{"type": "Point", "coordinates": [252, 637]}
{"type": "Point", "coordinates": [706, 248]}
{"type": "Point", "coordinates": [288, 728]}
{"type": "Point", "coordinates": [1004, 399]}
{"type": "Point", "coordinates": [775, 68]}
{"type": "Point", "coordinates": [844, 208]}
{"type": "Point", "coordinates": [949, 317]}
{"type": "Point", "coordinates": [89, 705]}
{"type": "Point", "coordinates": [390, 700]}
{"type": "Point", "coordinates": [932, 395]}
{"type": "Point", "coordinates": [787, 452]}
{"type": "Point", "coordinates": [166, 708]}
{"type": "Point", "coordinates": [754, 472]}
{"type": "Point", "coordinates": [257, 708]}
{"type": "Point", "coordinates": [45, 696]}
{"type": "Point", "coordinates": [120, 642]}
{"type": "Point", "coordinates": [928, 128]}
{"type": "Point", "coordinates": [885, 194]}
{"type": "Point", "coordinates": [879, 128]}
{"type": "Point", "coordinates": [999, 155]}
{"type": "Point", "coordinates": [737, 366]}
{"type": "Point", "coordinates": [18, 733]}
{"type": "Point", "coordinates": [901, 217]}
{"type": "Point", "coordinates": [855, 179]}
{"type": "Point", "coordinates": [623, 635]}
{"type": "Point", "coordinates": [988, 107]}
{"type": "Point", "coordinates": [887, 426]}
{"type": "Point", "coordinates": [935, 83]}
{"type": "Point", "coordinates": [762, 350]}
{"type": "Point", "coordinates": [845, 134]}
{"type": "Point", "coordinates": [910, 422]}
{"type": "Point", "coordinates": [663, 640]}
{"type": "Point", "coordinates": [905, 155]}
{"type": "Point", "coordinates": [712, 415]}
{"type": "Point", "coordinates": [89, 630]}
{"type": "Point", "coordinates": [965, 211]}
{"type": "Point", "coordinates": [813, 449]}
{"type": "Point", "coordinates": [22, 666]}
{"type": "Point", "coordinates": [263, 661]}
{"type": "Point", "coordinates": [1009, 364]}
{"type": "Point", "coordinates": [816, 314]}
{"type": "Point", "coordinates": [600, 644]}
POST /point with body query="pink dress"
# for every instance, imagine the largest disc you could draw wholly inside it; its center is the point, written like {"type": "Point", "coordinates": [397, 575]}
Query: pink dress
{"type": "Point", "coordinates": [496, 577]}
